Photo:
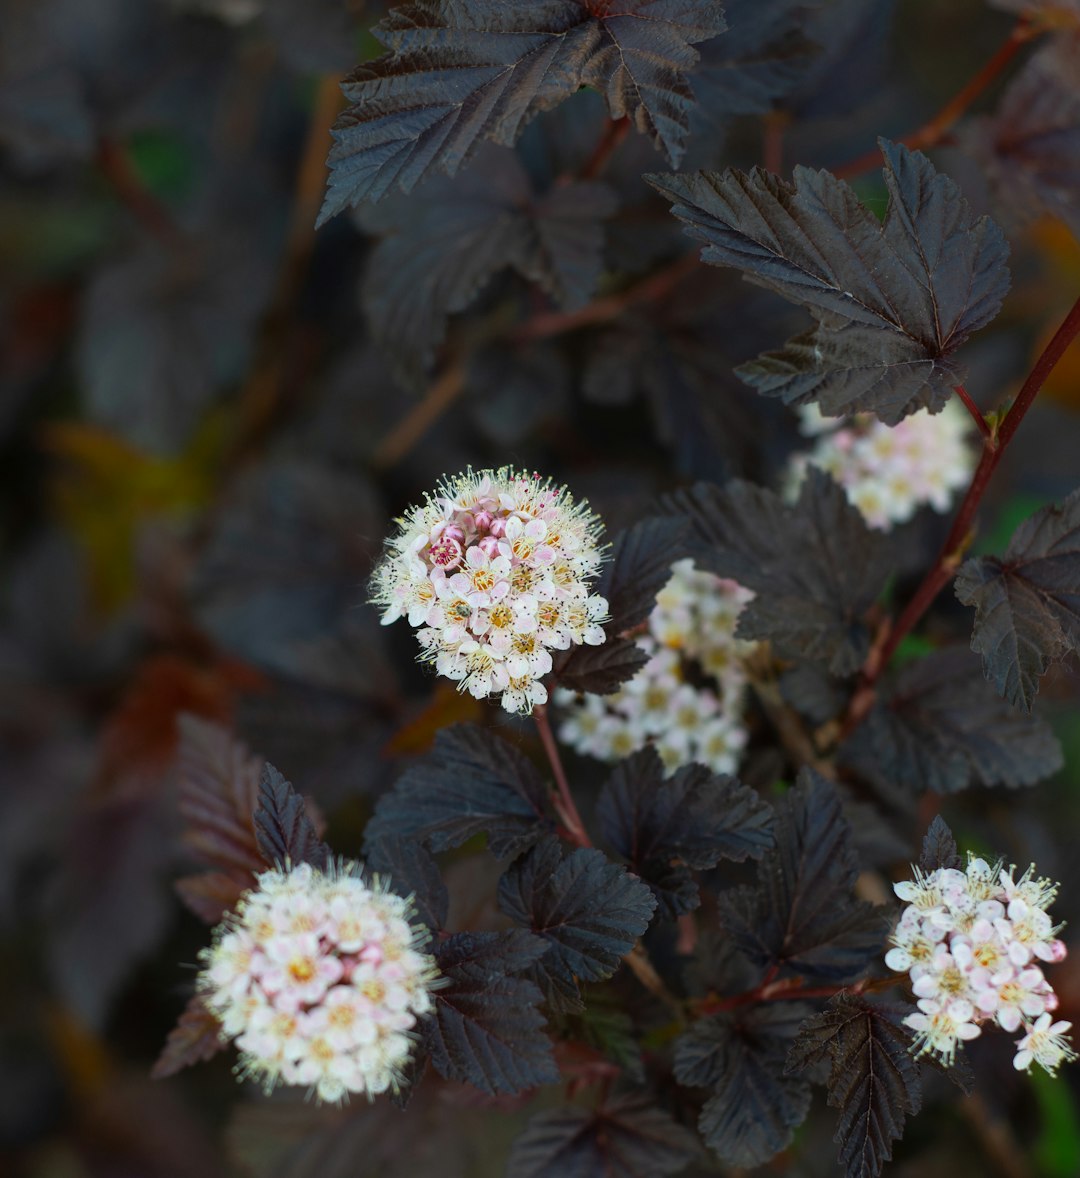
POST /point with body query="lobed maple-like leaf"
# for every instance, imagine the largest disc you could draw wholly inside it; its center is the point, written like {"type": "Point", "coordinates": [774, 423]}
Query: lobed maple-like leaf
{"type": "Point", "coordinates": [473, 781]}
{"type": "Point", "coordinates": [457, 74]}
{"type": "Point", "coordinates": [1027, 603]}
{"type": "Point", "coordinates": [893, 300]}
{"type": "Point", "coordinates": [486, 1029]}
{"type": "Point", "coordinates": [939, 847]}
{"type": "Point", "coordinates": [196, 1038]}
{"type": "Point", "coordinates": [942, 727]}
{"type": "Point", "coordinates": [410, 870]}
{"type": "Point", "coordinates": [762, 57]}
{"type": "Point", "coordinates": [283, 831]}
{"type": "Point", "coordinates": [802, 916]}
{"type": "Point", "coordinates": [665, 827]}
{"type": "Point", "coordinates": [873, 1077]}
{"type": "Point", "coordinates": [588, 910]}
{"type": "Point", "coordinates": [217, 793]}
{"type": "Point", "coordinates": [755, 1107]}
{"type": "Point", "coordinates": [441, 246]}
{"type": "Point", "coordinates": [626, 1137]}
{"type": "Point", "coordinates": [1030, 147]}
{"type": "Point", "coordinates": [815, 565]}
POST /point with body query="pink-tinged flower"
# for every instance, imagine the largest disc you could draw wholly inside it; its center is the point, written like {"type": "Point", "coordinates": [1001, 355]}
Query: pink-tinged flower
{"type": "Point", "coordinates": [688, 700]}
{"type": "Point", "coordinates": [981, 953]}
{"type": "Point", "coordinates": [1029, 932]}
{"type": "Point", "coordinates": [972, 937]}
{"type": "Point", "coordinates": [1044, 1044]}
{"type": "Point", "coordinates": [473, 563]}
{"type": "Point", "coordinates": [314, 974]}
{"type": "Point", "coordinates": [1023, 995]}
{"type": "Point", "coordinates": [887, 471]}
{"type": "Point", "coordinates": [941, 1026]}
{"type": "Point", "coordinates": [298, 973]}
{"type": "Point", "coordinates": [484, 579]}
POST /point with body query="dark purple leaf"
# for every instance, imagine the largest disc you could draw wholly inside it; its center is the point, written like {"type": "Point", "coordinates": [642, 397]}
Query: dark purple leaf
{"type": "Point", "coordinates": [588, 910]}
{"type": "Point", "coordinates": [873, 1077]}
{"type": "Point", "coordinates": [628, 1137]}
{"type": "Point", "coordinates": [486, 1029]}
{"type": "Point", "coordinates": [195, 1038]}
{"type": "Point", "coordinates": [458, 74]}
{"type": "Point", "coordinates": [472, 782]}
{"type": "Point", "coordinates": [893, 300]}
{"type": "Point", "coordinates": [815, 564]}
{"type": "Point", "coordinates": [1027, 604]}
{"type": "Point", "coordinates": [942, 728]}
{"type": "Point", "coordinates": [939, 847]}
{"type": "Point", "coordinates": [283, 831]}
{"type": "Point", "coordinates": [441, 246]}
{"type": "Point", "coordinates": [755, 1108]}
{"type": "Point", "coordinates": [665, 827]}
{"type": "Point", "coordinates": [802, 915]}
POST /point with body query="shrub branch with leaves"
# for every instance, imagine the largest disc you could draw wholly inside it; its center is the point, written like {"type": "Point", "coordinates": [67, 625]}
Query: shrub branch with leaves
{"type": "Point", "coordinates": [602, 240]}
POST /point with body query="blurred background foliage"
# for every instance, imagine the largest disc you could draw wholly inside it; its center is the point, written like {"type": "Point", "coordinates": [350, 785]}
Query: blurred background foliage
{"type": "Point", "coordinates": [209, 413]}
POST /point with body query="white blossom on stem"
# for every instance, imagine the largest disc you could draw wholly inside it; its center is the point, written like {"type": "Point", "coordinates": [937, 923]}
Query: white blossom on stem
{"type": "Point", "coordinates": [320, 978]}
{"type": "Point", "coordinates": [968, 940]}
{"type": "Point", "coordinates": [493, 571]}
{"type": "Point", "coordinates": [688, 699]}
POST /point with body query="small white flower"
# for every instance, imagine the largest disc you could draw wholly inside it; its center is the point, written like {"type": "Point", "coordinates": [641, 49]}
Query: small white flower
{"type": "Point", "coordinates": [470, 568]}
{"type": "Point", "coordinates": [941, 1026]}
{"type": "Point", "coordinates": [888, 472]}
{"type": "Point", "coordinates": [312, 973]}
{"type": "Point", "coordinates": [1044, 1044]}
{"type": "Point", "coordinates": [967, 939]}
{"type": "Point", "coordinates": [688, 700]}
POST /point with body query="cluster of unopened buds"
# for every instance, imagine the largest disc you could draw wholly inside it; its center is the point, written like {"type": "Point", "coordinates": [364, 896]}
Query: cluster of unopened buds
{"type": "Point", "coordinates": [888, 472]}
{"type": "Point", "coordinates": [687, 717]}
{"type": "Point", "coordinates": [320, 977]}
{"type": "Point", "coordinates": [494, 572]}
{"type": "Point", "coordinates": [974, 943]}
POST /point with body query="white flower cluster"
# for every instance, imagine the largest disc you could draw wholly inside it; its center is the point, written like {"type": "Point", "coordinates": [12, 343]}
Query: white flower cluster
{"type": "Point", "coordinates": [494, 572]}
{"type": "Point", "coordinates": [888, 472]}
{"type": "Point", "coordinates": [693, 622]}
{"type": "Point", "coordinates": [972, 942]}
{"type": "Point", "coordinates": [319, 977]}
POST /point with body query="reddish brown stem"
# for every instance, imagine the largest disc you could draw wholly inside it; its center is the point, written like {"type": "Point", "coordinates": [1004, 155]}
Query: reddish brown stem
{"type": "Point", "coordinates": [935, 129]}
{"type": "Point", "coordinates": [772, 142]}
{"type": "Point", "coordinates": [655, 287]}
{"type": "Point", "coordinates": [115, 165]}
{"type": "Point", "coordinates": [977, 415]}
{"type": "Point", "coordinates": [952, 551]}
{"type": "Point", "coordinates": [615, 131]}
{"type": "Point", "coordinates": [785, 990]}
{"type": "Point", "coordinates": [563, 801]}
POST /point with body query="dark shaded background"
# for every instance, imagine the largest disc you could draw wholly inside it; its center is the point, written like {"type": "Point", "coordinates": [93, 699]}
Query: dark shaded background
{"type": "Point", "coordinates": [202, 444]}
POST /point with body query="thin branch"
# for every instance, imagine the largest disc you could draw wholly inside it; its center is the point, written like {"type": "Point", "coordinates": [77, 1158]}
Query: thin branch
{"type": "Point", "coordinates": [937, 128]}
{"type": "Point", "coordinates": [774, 124]}
{"type": "Point", "coordinates": [615, 131]}
{"type": "Point", "coordinates": [260, 398]}
{"type": "Point", "coordinates": [977, 414]}
{"type": "Point", "coordinates": [564, 803]}
{"type": "Point", "coordinates": [643, 969]}
{"type": "Point", "coordinates": [440, 395]}
{"type": "Point", "coordinates": [115, 165]}
{"type": "Point", "coordinates": [658, 284]}
{"type": "Point", "coordinates": [996, 1137]}
{"type": "Point", "coordinates": [959, 537]}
